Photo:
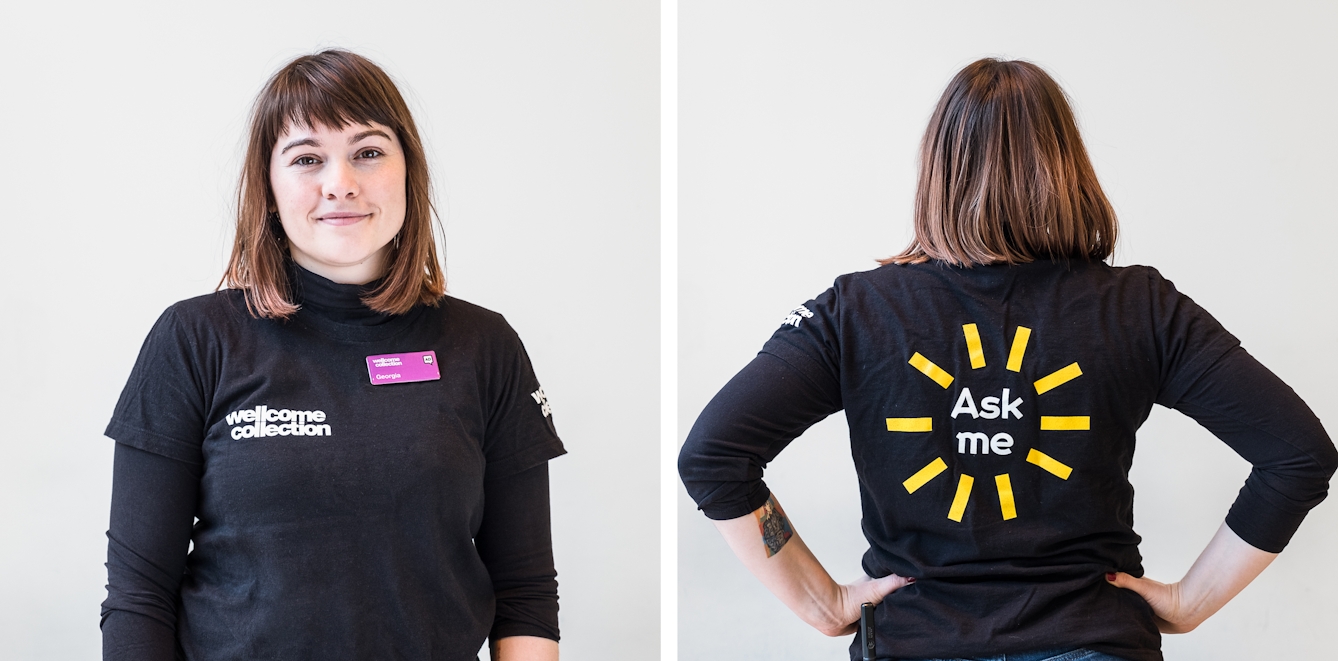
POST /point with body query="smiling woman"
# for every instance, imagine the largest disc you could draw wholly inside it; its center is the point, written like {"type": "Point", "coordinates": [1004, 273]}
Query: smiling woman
{"type": "Point", "coordinates": [335, 178]}
{"type": "Point", "coordinates": [340, 194]}
{"type": "Point", "coordinates": [336, 509]}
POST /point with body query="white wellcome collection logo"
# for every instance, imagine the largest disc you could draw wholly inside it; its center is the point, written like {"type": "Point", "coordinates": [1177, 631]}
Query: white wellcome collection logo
{"type": "Point", "coordinates": [263, 421]}
{"type": "Point", "coordinates": [542, 400]}
{"type": "Point", "coordinates": [796, 316]}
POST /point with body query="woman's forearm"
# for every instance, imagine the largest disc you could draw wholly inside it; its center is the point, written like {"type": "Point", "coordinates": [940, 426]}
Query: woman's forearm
{"type": "Point", "coordinates": [524, 648]}
{"type": "Point", "coordinates": [784, 564]}
{"type": "Point", "coordinates": [767, 544]}
{"type": "Point", "coordinates": [1225, 567]}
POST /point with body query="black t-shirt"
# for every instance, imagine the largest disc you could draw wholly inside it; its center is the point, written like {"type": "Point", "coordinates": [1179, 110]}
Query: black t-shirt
{"type": "Point", "coordinates": [992, 416]}
{"type": "Point", "coordinates": [337, 518]}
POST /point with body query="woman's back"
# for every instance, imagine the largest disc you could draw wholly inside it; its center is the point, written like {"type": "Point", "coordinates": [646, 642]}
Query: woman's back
{"type": "Point", "coordinates": [992, 414]}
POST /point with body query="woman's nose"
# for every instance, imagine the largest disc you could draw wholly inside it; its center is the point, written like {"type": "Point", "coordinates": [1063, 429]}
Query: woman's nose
{"type": "Point", "coordinates": [340, 181]}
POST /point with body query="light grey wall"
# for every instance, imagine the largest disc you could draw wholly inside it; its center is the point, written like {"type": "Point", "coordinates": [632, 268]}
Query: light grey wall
{"type": "Point", "coordinates": [123, 126]}
{"type": "Point", "coordinates": [1211, 127]}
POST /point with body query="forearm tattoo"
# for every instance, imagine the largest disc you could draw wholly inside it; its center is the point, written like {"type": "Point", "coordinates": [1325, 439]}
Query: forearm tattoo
{"type": "Point", "coordinates": [776, 530]}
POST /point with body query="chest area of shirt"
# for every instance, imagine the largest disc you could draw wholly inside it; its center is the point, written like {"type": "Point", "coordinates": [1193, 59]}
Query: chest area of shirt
{"type": "Point", "coordinates": [313, 428]}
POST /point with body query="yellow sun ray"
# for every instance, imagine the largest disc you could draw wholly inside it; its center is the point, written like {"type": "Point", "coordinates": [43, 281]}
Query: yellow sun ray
{"type": "Point", "coordinates": [925, 475]}
{"type": "Point", "coordinates": [910, 424]}
{"type": "Point", "coordinates": [963, 495]}
{"type": "Point", "coordinates": [1005, 486]}
{"type": "Point", "coordinates": [1058, 378]}
{"type": "Point", "coordinates": [1019, 349]}
{"type": "Point", "coordinates": [1049, 463]}
{"type": "Point", "coordinates": [1066, 423]}
{"type": "Point", "coordinates": [931, 370]}
{"type": "Point", "coordinates": [973, 347]}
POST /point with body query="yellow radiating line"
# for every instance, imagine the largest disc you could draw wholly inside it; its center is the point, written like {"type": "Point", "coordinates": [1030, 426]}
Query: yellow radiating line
{"type": "Point", "coordinates": [931, 370]}
{"type": "Point", "coordinates": [924, 475]}
{"type": "Point", "coordinates": [973, 346]}
{"type": "Point", "coordinates": [1048, 463]}
{"type": "Point", "coordinates": [963, 495]}
{"type": "Point", "coordinates": [1066, 423]}
{"type": "Point", "coordinates": [1019, 349]}
{"type": "Point", "coordinates": [910, 424]}
{"type": "Point", "coordinates": [1005, 496]}
{"type": "Point", "coordinates": [1057, 379]}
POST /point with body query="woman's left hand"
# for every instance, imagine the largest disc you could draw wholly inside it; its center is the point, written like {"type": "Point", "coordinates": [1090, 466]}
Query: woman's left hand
{"type": "Point", "coordinates": [1166, 600]}
{"type": "Point", "coordinates": [1224, 568]}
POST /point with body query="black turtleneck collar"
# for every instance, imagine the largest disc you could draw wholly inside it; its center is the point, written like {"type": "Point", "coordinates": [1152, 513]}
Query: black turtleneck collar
{"type": "Point", "coordinates": [333, 301]}
{"type": "Point", "coordinates": [337, 311]}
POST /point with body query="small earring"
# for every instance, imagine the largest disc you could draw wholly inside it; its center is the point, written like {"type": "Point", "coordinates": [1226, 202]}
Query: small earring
{"type": "Point", "coordinates": [277, 225]}
{"type": "Point", "coordinates": [397, 241]}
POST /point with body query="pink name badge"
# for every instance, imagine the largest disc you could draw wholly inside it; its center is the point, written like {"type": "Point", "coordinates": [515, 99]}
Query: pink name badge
{"type": "Point", "coordinates": [403, 367]}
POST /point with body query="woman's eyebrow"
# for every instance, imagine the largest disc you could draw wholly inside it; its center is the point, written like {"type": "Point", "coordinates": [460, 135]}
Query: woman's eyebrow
{"type": "Point", "coordinates": [307, 142]}
{"type": "Point", "coordinates": [358, 136]}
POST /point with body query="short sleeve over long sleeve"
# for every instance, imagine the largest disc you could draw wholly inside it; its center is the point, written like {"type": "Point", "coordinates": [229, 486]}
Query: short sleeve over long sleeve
{"type": "Point", "coordinates": [520, 431]}
{"type": "Point", "coordinates": [163, 406]}
{"type": "Point", "coordinates": [792, 384]}
{"type": "Point", "coordinates": [1207, 375]}
{"type": "Point", "coordinates": [1188, 339]}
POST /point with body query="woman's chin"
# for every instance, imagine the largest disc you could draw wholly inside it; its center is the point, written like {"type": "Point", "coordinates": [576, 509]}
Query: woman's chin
{"type": "Point", "coordinates": [342, 266]}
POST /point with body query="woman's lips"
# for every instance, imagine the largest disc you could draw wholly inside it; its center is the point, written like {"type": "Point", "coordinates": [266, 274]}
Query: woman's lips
{"type": "Point", "coordinates": [339, 219]}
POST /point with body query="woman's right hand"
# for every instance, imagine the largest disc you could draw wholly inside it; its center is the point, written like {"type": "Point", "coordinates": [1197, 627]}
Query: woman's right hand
{"type": "Point", "coordinates": [851, 596]}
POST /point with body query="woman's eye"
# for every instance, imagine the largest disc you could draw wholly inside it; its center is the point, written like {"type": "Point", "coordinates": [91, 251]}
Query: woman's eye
{"type": "Point", "coordinates": [370, 153]}
{"type": "Point", "coordinates": [306, 160]}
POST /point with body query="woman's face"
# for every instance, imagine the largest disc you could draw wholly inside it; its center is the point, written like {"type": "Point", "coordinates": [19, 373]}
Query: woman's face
{"type": "Point", "coordinates": [341, 198]}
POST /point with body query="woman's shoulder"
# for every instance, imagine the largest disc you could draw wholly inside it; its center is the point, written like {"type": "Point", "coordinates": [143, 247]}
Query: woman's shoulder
{"type": "Point", "coordinates": [457, 315]}
{"type": "Point", "coordinates": [479, 331]}
{"type": "Point", "coordinates": [217, 306]}
{"type": "Point", "coordinates": [1136, 281]}
{"type": "Point", "coordinates": [896, 276]}
{"type": "Point", "coordinates": [212, 310]}
{"type": "Point", "coordinates": [461, 311]}
{"type": "Point", "coordinates": [221, 312]}
{"type": "Point", "coordinates": [189, 333]}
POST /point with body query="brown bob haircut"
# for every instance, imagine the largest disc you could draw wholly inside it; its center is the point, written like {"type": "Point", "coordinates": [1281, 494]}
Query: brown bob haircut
{"type": "Point", "coordinates": [335, 89]}
{"type": "Point", "coordinates": [1004, 176]}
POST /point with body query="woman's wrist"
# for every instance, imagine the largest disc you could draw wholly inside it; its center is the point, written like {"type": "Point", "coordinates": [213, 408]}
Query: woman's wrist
{"type": "Point", "coordinates": [828, 612]}
{"type": "Point", "coordinates": [1196, 603]}
{"type": "Point", "coordinates": [773, 551]}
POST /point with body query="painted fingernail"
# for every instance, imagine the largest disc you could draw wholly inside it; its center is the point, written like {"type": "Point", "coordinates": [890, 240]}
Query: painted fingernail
{"type": "Point", "coordinates": [910, 580]}
{"type": "Point", "coordinates": [1110, 576]}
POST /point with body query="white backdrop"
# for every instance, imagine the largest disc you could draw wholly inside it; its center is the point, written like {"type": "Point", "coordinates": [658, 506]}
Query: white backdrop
{"type": "Point", "coordinates": [1211, 127]}
{"type": "Point", "coordinates": [124, 125]}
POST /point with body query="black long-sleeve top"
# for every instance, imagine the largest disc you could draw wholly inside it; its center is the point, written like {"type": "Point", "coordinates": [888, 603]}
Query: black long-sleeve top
{"type": "Point", "coordinates": [992, 415]}
{"type": "Point", "coordinates": [330, 517]}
